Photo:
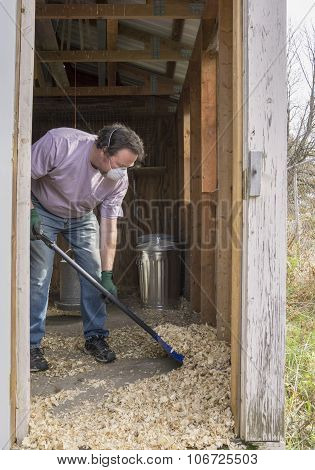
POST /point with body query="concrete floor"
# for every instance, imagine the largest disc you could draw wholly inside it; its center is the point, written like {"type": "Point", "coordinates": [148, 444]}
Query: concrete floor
{"type": "Point", "coordinates": [98, 380]}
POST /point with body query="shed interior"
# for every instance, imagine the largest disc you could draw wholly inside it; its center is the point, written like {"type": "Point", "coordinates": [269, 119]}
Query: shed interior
{"type": "Point", "coordinates": [164, 69]}
{"type": "Point", "coordinates": [147, 95]}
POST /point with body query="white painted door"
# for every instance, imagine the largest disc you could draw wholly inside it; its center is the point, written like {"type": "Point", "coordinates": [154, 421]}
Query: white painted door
{"type": "Point", "coordinates": [264, 255]}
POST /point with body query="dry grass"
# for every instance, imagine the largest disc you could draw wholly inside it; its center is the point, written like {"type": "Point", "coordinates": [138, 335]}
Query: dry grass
{"type": "Point", "coordinates": [300, 344]}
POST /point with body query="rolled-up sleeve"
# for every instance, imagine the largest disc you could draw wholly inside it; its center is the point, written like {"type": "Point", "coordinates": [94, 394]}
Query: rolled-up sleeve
{"type": "Point", "coordinates": [43, 156]}
{"type": "Point", "coordinates": [111, 206]}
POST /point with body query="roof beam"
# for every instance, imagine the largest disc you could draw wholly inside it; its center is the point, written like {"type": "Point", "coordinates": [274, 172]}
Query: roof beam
{"type": "Point", "coordinates": [121, 104]}
{"type": "Point", "coordinates": [159, 89]}
{"type": "Point", "coordinates": [112, 56]}
{"type": "Point", "coordinates": [176, 9]}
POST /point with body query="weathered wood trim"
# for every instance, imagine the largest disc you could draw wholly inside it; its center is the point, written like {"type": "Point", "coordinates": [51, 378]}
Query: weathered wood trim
{"type": "Point", "coordinates": [264, 258]}
{"type": "Point", "coordinates": [23, 179]}
{"type": "Point", "coordinates": [14, 309]}
{"type": "Point", "coordinates": [237, 215]}
{"type": "Point", "coordinates": [225, 163]}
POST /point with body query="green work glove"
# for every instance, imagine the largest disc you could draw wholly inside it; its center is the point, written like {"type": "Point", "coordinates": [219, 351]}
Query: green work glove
{"type": "Point", "coordinates": [36, 225]}
{"type": "Point", "coordinates": [107, 282]}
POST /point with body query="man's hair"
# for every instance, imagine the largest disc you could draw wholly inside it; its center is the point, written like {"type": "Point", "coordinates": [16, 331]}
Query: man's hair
{"type": "Point", "coordinates": [119, 137]}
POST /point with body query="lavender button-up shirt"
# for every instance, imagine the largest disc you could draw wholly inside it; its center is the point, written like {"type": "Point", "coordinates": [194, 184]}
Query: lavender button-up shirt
{"type": "Point", "coordinates": [65, 182]}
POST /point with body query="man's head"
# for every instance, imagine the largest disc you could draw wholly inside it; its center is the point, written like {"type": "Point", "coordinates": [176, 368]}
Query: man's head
{"type": "Point", "coordinates": [119, 147]}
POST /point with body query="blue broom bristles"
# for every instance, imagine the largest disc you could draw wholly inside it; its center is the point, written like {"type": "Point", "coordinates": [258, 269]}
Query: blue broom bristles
{"type": "Point", "coordinates": [170, 351]}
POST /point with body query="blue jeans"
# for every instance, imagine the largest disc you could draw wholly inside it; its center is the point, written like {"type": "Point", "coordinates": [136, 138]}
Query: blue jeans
{"type": "Point", "coordinates": [82, 234]}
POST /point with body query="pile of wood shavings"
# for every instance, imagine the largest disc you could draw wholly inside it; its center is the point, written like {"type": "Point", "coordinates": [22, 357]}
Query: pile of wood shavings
{"type": "Point", "coordinates": [187, 408]}
{"type": "Point", "coordinates": [62, 355]}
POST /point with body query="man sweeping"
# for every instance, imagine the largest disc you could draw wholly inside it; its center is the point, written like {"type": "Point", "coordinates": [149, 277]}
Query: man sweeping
{"type": "Point", "coordinates": [72, 173]}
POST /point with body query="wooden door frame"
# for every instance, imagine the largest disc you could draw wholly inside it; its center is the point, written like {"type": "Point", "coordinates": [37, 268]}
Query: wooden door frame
{"type": "Point", "coordinates": [20, 293]}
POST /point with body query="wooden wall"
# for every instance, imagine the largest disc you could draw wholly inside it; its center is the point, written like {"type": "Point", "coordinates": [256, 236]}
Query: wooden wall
{"type": "Point", "coordinates": [197, 137]}
{"type": "Point", "coordinates": [152, 207]}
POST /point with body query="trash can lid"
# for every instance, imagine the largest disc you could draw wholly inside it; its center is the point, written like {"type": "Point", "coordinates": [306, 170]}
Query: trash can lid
{"type": "Point", "coordinates": [157, 245]}
{"type": "Point", "coordinates": [153, 237]}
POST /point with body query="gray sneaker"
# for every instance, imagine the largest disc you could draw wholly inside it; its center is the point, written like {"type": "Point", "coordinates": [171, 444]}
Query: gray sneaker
{"type": "Point", "coordinates": [97, 346]}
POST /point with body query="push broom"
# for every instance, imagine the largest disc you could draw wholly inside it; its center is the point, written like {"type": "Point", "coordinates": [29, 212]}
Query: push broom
{"type": "Point", "coordinates": [170, 351]}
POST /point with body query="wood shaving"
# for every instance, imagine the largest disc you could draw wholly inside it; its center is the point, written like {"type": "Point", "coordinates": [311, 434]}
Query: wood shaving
{"type": "Point", "coordinates": [188, 408]}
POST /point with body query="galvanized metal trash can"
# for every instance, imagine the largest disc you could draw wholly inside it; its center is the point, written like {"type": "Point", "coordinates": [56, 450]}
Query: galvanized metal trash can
{"type": "Point", "coordinates": [159, 272]}
{"type": "Point", "coordinates": [69, 288]}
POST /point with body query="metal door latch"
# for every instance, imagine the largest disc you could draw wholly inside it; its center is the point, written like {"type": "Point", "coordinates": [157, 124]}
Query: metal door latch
{"type": "Point", "coordinates": [254, 173]}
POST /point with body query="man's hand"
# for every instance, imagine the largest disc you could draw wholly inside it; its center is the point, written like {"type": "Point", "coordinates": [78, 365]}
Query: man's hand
{"type": "Point", "coordinates": [36, 225]}
{"type": "Point", "coordinates": [107, 282]}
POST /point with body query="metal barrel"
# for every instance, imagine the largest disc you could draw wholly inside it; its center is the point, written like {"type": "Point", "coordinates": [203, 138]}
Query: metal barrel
{"type": "Point", "coordinates": [159, 272]}
{"type": "Point", "coordinates": [69, 288]}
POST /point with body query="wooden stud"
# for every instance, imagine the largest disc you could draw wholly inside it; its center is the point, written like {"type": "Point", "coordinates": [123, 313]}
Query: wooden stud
{"type": "Point", "coordinates": [225, 158]}
{"type": "Point", "coordinates": [183, 122]}
{"type": "Point", "coordinates": [237, 213]}
{"type": "Point", "coordinates": [208, 185]}
{"type": "Point", "coordinates": [21, 208]}
{"type": "Point", "coordinates": [195, 183]}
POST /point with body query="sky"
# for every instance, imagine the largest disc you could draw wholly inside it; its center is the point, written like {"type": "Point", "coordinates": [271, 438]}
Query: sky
{"type": "Point", "coordinates": [297, 9]}
{"type": "Point", "coordinates": [300, 14]}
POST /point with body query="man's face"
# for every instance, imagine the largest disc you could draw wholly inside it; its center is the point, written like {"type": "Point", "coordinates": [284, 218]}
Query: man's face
{"type": "Point", "coordinates": [124, 158]}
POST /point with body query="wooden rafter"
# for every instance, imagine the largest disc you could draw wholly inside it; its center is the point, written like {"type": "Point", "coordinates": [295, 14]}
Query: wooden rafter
{"type": "Point", "coordinates": [172, 10]}
{"type": "Point", "coordinates": [159, 89]}
{"type": "Point", "coordinates": [132, 104]}
{"type": "Point", "coordinates": [110, 56]}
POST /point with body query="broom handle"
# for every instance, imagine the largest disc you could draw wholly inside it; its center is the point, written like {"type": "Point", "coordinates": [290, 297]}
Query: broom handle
{"type": "Point", "coordinates": [51, 244]}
